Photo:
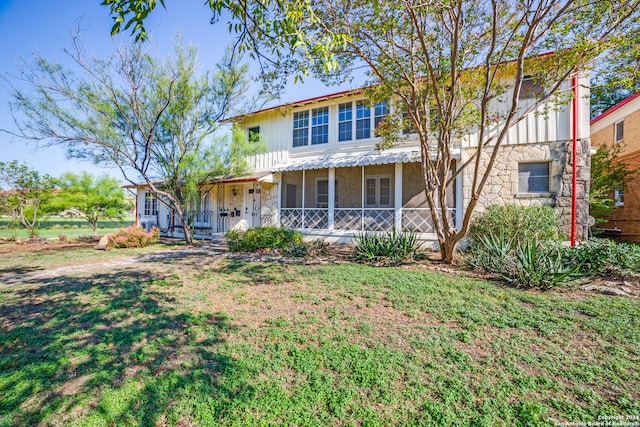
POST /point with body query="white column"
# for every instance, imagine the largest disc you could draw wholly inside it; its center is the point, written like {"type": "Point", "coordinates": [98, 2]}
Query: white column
{"type": "Point", "coordinates": [332, 197]}
{"type": "Point", "coordinates": [398, 198]}
{"type": "Point", "coordinates": [303, 188]}
{"type": "Point", "coordinates": [362, 200]}
{"type": "Point", "coordinates": [279, 201]}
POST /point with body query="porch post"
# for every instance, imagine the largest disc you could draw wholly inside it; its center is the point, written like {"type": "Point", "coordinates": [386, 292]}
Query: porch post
{"type": "Point", "coordinates": [397, 203]}
{"type": "Point", "coordinates": [362, 200]}
{"type": "Point", "coordinates": [332, 197]}
{"type": "Point", "coordinates": [303, 187]}
{"type": "Point", "coordinates": [279, 202]}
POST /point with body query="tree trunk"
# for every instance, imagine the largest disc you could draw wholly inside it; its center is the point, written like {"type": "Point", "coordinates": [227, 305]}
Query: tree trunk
{"type": "Point", "coordinates": [187, 231]}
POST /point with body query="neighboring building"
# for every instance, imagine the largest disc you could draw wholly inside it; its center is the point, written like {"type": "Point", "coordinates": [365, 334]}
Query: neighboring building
{"type": "Point", "coordinates": [322, 174]}
{"type": "Point", "coordinates": [620, 124]}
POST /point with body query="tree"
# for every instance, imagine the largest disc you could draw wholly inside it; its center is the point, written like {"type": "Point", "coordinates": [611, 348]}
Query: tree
{"type": "Point", "coordinates": [607, 175]}
{"type": "Point", "coordinates": [27, 194]}
{"type": "Point", "coordinates": [457, 67]}
{"type": "Point", "coordinates": [152, 119]}
{"type": "Point", "coordinates": [447, 63]}
{"type": "Point", "coordinates": [618, 76]}
{"type": "Point", "coordinates": [92, 198]}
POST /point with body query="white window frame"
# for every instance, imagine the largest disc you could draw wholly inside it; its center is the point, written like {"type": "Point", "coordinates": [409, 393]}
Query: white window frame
{"type": "Point", "coordinates": [150, 204]}
{"type": "Point", "coordinates": [618, 197]}
{"type": "Point", "coordinates": [323, 205]}
{"type": "Point", "coordinates": [373, 119]}
{"type": "Point", "coordinates": [615, 131]}
{"type": "Point", "coordinates": [312, 114]}
{"type": "Point", "coordinates": [377, 189]}
{"type": "Point", "coordinates": [548, 176]}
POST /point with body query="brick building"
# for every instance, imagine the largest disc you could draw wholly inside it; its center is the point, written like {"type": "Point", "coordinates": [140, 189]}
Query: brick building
{"type": "Point", "coordinates": [620, 124]}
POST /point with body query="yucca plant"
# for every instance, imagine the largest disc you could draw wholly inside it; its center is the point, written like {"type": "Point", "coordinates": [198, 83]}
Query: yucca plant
{"type": "Point", "coordinates": [390, 248]}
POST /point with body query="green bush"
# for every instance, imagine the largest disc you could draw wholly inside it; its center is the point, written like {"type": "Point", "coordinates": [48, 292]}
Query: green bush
{"type": "Point", "coordinates": [602, 257]}
{"type": "Point", "coordinates": [524, 263]}
{"type": "Point", "coordinates": [516, 223]}
{"type": "Point", "coordinates": [134, 237]}
{"type": "Point", "coordinates": [391, 248]}
{"type": "Point", "coordinates": [262, 238]}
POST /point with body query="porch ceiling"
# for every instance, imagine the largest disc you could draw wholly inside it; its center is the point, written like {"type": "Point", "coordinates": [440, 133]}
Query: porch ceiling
{"type": "Point", "coordinates": [345, 160]}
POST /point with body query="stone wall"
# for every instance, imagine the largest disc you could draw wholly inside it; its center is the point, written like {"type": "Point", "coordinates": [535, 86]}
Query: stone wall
{"type": "Point", "coordinates": [502, 185]}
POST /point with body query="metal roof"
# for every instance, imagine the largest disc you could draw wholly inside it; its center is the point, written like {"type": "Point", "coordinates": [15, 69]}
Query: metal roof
{"type": "Point", "coordinates": [350, 160]}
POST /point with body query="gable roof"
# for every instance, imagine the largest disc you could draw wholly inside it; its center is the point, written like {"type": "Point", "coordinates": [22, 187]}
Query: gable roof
{"type": "Point", "coordinates": [616, 107]}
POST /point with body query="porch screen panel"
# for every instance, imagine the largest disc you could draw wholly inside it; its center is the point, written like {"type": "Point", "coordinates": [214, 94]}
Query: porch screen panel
{"type": "Point", "coordinates": [348, 207]}
{"type": "Point", "coordinates": [316, 202]}
{"type": "Point", "coordinates": [291, 201]}
{"type": "Point", "coordinates": [378, 214]}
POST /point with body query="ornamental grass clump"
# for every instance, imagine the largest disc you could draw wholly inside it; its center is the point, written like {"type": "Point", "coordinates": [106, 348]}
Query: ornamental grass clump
{"type": "Point", "coordinates": [134, 236]}
{"type": "Point", "coordinates": [391, 248]}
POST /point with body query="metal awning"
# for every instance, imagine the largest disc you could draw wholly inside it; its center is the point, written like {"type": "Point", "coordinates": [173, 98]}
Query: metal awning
{"type": "Point", "coordinates": [343, 160]}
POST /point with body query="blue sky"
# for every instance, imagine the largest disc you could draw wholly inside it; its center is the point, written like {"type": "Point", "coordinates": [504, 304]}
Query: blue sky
{"type": "Point", "coordinates": [45, 26]}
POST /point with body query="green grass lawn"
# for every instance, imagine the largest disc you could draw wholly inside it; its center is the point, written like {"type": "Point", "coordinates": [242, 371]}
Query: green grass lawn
{"type": "Point", "coordinates": [205, 341]}
{"type": "Point", "coordinates": [71, 227]}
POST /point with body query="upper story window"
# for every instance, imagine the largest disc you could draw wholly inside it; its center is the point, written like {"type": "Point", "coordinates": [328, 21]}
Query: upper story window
{"type": "Point", "coordinates": [150, 204]}
{"type": "Point", "coordinates": [618, 197]}
{"type": "Point", "coordinates": [254, 133]}
{"type": "Point", "coordinates": [319, 125]}
{"type": "Point", "coordinates": [619, 131]}
{"type": "Point", "coordinates": [366, 119]}
{"type": "Point", "coordinates": [530, 88]}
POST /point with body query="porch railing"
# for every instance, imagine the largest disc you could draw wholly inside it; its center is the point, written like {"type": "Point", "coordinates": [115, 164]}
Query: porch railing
{"type": "Point", "coordinates": [202, 220]}
{"type": "Point", "coordinates": [358, 219]}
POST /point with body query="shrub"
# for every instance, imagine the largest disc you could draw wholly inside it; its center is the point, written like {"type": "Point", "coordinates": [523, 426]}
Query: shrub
{"type": "Point", "coordinates": [312, 248]}
{"type": "Point", "coordinates": [516, 223]}
{"type": "Point", "coordinates": [386, 249]}
{"type": "Point", "coordinates": [133, 236]}
{"type": "Point", "coordinates": [262, 238]}
{"type": "Point", "coordinates": [604, 257]}
{"type": "Point", "coordinates": [526, 264]}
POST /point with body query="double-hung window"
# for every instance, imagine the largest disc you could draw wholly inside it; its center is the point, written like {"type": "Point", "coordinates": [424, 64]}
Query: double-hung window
{"type": "Point", "coordinates": [300, 128]}
{"type": "Point", "coordinates": [361, 123]}
{"type": "Point", "coordinates": [363, 120]}
{"type": "Point", "coordinates": [150, 204]}
{"type": "Point", "coordinates": [320, 125]}
{"type": "Point", "coordinates": [377, 191]}
{"type": "Point", "coordinates": [345, 121]}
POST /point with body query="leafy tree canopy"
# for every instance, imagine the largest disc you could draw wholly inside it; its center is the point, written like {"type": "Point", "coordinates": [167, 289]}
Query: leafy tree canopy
{"type": "Point", "coordinates": [26, 195]}
{"type": "Point", "coordinates": [93, 198]}
{"type": "Point", "coordinates": [153, 119]}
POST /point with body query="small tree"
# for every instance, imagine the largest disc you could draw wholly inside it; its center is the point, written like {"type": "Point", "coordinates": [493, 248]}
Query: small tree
{"type": "Point", "coordinates": [607, 175]}
{"type": "Point", "coordinates": [92, 198]}
{"type": "Point", "coordinates": [27, 194]}
{"type": "Point", "coordinates": [152, 119]}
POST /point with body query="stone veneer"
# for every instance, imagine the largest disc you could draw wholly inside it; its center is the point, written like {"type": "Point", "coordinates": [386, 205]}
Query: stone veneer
{"type": "Point", "coordinates": [502, 185]}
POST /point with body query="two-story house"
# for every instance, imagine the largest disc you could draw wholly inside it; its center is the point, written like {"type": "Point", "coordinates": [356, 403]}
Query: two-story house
{"type": "Point", "coordinates": [620, 125]}
{"type": "Point", "coordinates": [321, 173]}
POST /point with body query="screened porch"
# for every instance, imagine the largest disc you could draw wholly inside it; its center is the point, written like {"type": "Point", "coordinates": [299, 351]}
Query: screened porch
{"type": "Point", "coordinates": [360, 198]}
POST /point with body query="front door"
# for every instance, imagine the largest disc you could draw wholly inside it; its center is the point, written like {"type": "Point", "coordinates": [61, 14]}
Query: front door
{"type": "Point", "coordinates": [253, 205]}
{"type": "Point", "coordinates": [223, 211]}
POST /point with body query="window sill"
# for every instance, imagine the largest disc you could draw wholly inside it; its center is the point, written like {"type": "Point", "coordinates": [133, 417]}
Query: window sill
{"type": "Point", "coordinates": [534, 195]}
